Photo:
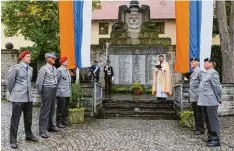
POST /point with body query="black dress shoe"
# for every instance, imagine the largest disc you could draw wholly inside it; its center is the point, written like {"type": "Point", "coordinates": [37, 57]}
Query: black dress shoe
{"type": "Point", "coordinates": [208, 140]}
{"type": "Point", "coordinates": [213, 144]}
{"type": "Point", "coordinates": [32, 138]}
{"type": "Point", "coordinates": [65, 123]}
{"type": "Point", "coordinates": [59, 125]}
{"type": "Point", "coordinates": [54, 130]}
{"type": "Point", "coordinates": [44, 135]}
{"type": "Point", "coordinates": [198, 133]}
{"type": "Point", "coordinates": [14, 146]}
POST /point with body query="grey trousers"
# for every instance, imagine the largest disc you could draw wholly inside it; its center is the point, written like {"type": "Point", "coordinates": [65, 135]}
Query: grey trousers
{"type": "Point", "coordinates": [17, 109]}
{"type": "Point", "coordinates": [212, 121]}
{"type": "Point", "coordinates": [62, 109]}
{"type": "Point", "coordinates": [198, 117]}
{"type": "Point", "coordinates": [48, 98]}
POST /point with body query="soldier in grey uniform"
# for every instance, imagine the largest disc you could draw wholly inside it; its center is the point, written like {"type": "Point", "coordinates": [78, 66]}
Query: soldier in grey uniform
{"type": "Point", "coordinates": [209, 99]}
{"type": "Point", "coordinates": [19, 85]}
{"type": "Point", "coordinates": [47, 86]}
{"type": "Point", "coordinates": [63, 93]}
{"type": "Point", "coordinates": [195, 80]}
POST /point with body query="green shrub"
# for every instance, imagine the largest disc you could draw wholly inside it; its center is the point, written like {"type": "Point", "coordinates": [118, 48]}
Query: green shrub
{"type": "Point", "coordinates": [136, 85]}
{"type": "Point", "coordinates": [76, 115]}
{"type": "Point", "coordinates": [186, 119]}
{"type": "Point", "coordinates": [76, 96]}
{"type": "Point", "coordinates": [122, 90]}
{"type": "Point", "coordinates": [148, 91]}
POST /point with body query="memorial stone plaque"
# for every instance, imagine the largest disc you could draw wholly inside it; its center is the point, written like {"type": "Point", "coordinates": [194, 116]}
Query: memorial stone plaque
{"type": "Point", "coordinates": [138, 69]}
{"type": "Point", "coordinates": [132, 64]}
{"type": "Point", "coordinates": [150, 62]}
{"type": "Point", "coordinates": [125, 70]}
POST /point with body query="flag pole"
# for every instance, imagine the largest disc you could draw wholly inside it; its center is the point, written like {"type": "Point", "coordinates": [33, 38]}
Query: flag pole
{"type": "Point", "coordinates": [77, 75]}
{"type": "Point", "coordinates": [107, 50]}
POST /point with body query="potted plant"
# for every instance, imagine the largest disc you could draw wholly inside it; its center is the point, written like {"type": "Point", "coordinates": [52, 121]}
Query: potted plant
{"type": "Point", "coordinates": [75, 112]}
{"type": "Point", "coordinates": [136, 88]}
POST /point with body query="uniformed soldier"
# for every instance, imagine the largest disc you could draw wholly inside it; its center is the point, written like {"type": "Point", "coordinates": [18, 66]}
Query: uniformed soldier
{"type": "Point", "coordinates": [195, 80]}
{"type": "Point", "coordinates": [19, 85]}
{"type": "Point", "coordinates": [47, 86]}
{"type": "Point", "coordinates": [63, 93]}
{"type": "Point", "coordinates": [109, 77]}
{"type": "Point", "coordinates": [209, 99]}
{"type": "Point", "coordinates": [95, 71]}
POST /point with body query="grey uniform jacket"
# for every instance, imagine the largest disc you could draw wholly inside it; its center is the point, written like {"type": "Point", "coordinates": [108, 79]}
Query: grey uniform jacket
{"type": "Point", "coordinates": [210, 89]}
{"type": "Point", "coordinates": [46, 77]}
{"type": "Point", "coordinates": [195, 80]}
{"type": "Point", "coordinates": [64, 82]}
{"type": "Point", "coordinates": [19, 83]}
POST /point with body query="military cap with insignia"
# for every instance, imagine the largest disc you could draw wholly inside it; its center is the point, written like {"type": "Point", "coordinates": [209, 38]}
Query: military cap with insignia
{"type": "Point", "coordinates": [194, 59]}
{"type": "Point", "coordinates": [210, 60]}
{"type": "Point", "coordinates": [52, 55]}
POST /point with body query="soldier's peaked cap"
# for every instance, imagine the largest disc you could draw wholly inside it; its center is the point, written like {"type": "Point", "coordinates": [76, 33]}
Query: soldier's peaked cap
{"type": "Point", "coordinates": [194, 59]}
{"type": "Point", "coordinates": [210, 60]}
{"type": "Point", "coordinates": [52, 55]}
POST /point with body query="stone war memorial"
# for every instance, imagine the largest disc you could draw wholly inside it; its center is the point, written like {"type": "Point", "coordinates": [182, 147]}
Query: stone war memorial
{"type": "Point", "coordinates": [135, 46]}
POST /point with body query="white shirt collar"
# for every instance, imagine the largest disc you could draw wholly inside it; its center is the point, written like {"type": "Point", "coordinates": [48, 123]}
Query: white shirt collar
{"type": "Point", "coordinates": [24, 64]}
{"type": "Point", "coordinates": [197, 68]}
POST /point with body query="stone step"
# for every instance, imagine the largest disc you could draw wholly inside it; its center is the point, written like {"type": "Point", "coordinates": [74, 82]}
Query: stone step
{"type": "Point", "coordinates": [145, 112]}
{"type": "Point", "coordinates": [137, 101]}
{"type": "Point", "coordinates": [140, 117]}
{"type": "Point", "coordinates": [136, 105]}
{"type": "Point", "coordinates": [86, 99]}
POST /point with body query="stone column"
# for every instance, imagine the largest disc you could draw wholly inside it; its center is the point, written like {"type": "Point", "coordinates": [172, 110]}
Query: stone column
{"type": "Point", "coordinates": [176, 77]}
{"type": "Point", "coordinates": [9, 57]}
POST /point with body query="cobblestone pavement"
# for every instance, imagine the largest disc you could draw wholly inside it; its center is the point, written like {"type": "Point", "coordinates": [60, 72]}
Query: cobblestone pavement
{"type": "Point", "coordinates": [117, 135]}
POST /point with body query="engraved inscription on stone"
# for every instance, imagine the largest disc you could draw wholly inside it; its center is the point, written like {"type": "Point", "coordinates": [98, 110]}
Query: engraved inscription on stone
{"type": "Point", "coordinates": [137, 50]}
{"type": "Point", "coordinates": [150, 62]}
{"type": "Point", "coordinates": [125, 69]}
{"type": "Point", "coordinates": [138, 69]}
{"type": "Point", "coordinates": [115, 64]}
{"type": "Point", "coordinates": [134, 64]}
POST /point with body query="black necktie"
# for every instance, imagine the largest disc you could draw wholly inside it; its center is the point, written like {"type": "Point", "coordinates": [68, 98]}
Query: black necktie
{"type": "Point", "coordinates": [26, 68]}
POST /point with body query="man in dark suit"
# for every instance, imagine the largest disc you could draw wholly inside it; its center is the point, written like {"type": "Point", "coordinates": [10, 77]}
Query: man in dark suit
{"type": "Point", "coordinates": [109, 77]}
{"type": "Point", "coordinates": [18, 83]}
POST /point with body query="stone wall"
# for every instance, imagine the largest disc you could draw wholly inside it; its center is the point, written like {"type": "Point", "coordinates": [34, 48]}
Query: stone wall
{"type": "Point", "coordinates": [98, 52]}
{"type": "Point", "coordinates": [227, 107]}
{"type": "Point", "coordinates": [3, 90]}
{"type": "Point", "coordinates": [9, 57]}
{"type": "Point", "coordinates": [6, 95]}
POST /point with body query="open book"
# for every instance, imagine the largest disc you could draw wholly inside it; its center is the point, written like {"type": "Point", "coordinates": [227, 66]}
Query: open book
{"type": "Point", "coordinates": [158, 66]}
